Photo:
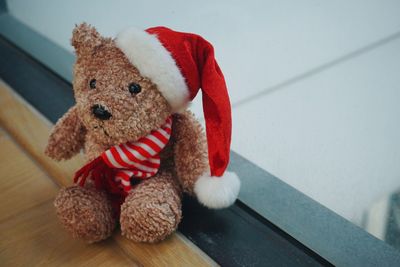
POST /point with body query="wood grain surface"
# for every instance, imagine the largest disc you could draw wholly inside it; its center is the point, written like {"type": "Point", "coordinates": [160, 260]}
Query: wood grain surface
{"type": "Point", "coordinates": [29, 231]}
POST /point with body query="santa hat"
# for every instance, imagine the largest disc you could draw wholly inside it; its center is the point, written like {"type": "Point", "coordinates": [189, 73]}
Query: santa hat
{"type": "Point", "coordinates": [181, 64]}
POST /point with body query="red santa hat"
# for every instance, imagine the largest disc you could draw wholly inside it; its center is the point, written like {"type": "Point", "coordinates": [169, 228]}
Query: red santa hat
{"type": "Point", "coordinates": [181, 64]}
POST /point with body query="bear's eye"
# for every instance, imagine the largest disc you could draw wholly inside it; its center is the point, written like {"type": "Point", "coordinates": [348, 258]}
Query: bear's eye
{"type": "Point", "coordinates": [92, 84]}
{"type": "Point", "coordinates": [134, 88]}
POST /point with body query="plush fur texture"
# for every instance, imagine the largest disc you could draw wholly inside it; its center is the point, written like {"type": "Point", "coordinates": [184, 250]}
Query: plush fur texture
{"type": "Point", "coordinates": [217, 192]}
{"type": "Point", "coordinates": [62, 146]}
{"type": "Point", "coordinates": [190, 150]}
{"type": "Point", "coordinates": [152, 210]}
{"type": "Point", "coordinates": [154, 62]}
{"type": "Point", "coordinates": [156, 201]}
{"type": "Point", "coordinates": [85, 212]}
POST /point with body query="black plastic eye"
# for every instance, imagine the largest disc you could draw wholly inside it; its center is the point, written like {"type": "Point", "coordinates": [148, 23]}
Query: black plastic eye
{"type": "Point", "coordinates": [92, 84]}
{"type": "Point", "coordinates": [135, 88]}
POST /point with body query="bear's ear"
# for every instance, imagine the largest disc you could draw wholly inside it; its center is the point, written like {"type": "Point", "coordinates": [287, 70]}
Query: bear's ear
{"type": "Point", "coordinates": [85, 38]}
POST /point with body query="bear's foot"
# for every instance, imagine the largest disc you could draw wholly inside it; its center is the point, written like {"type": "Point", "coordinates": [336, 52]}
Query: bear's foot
{"type": "Point", "coordinates": [152, 211]}
{"type": "Point", "coordinates": [85, 212]}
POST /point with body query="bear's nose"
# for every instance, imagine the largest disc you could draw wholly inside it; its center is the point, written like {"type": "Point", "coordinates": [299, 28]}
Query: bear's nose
{"type": "Point", "coordinates": [100, 112]}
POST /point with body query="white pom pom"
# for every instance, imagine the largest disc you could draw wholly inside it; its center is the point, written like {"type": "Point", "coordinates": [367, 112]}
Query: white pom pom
{"type": "Point", "coordinates": [217, 192]}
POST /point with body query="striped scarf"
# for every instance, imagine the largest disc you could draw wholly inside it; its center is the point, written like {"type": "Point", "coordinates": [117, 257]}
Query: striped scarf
{"type": "Point", "coordinates": [116, 166]}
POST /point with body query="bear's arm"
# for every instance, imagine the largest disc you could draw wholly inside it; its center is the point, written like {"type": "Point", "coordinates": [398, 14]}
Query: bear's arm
{"type": "Point", "coordinates": [67, 136]}
{"type": "Point", "coordinates": [190, 150]}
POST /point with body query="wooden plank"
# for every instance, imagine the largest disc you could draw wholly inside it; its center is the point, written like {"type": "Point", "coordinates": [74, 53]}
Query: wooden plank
{"type": "Point", "coordinates": [22, 184]}
{"type": "Point", "coordinates": [28, 224]}
{"type": "Point", "coordinates": [31, 131]}
{"type": "Point", "coordinates": [174, 251]}
{"type": "Point", "coordinates": [34, 238]}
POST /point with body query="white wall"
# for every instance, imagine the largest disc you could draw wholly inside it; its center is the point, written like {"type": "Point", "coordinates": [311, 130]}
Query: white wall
{"type": "Point", "coordinates": [334, 133]}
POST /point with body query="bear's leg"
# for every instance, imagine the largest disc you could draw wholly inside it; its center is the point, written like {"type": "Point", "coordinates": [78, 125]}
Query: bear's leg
{"type": "Point", "coordinates": [152, 210]}
{"type": "Point", "coordinates": [85, 212]}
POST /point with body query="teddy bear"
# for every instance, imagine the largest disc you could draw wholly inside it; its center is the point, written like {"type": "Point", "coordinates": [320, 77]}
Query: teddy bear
{"type": "Point", "coordinates": [143, 147]}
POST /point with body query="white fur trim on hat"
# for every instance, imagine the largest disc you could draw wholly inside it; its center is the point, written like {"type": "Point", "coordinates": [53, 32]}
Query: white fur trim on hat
{"type": "Point", "coordinates": [217, 192]}
{"type": "Point", "coordinates": [154, 61]}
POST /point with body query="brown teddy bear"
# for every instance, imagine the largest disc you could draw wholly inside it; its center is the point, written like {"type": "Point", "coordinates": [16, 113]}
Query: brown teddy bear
{"type": "Point", "coordinates": [144, 149]}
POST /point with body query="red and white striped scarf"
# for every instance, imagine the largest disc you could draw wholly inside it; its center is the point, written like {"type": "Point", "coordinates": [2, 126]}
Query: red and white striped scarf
{"type": "Point", "coordinates": [139, 159]}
